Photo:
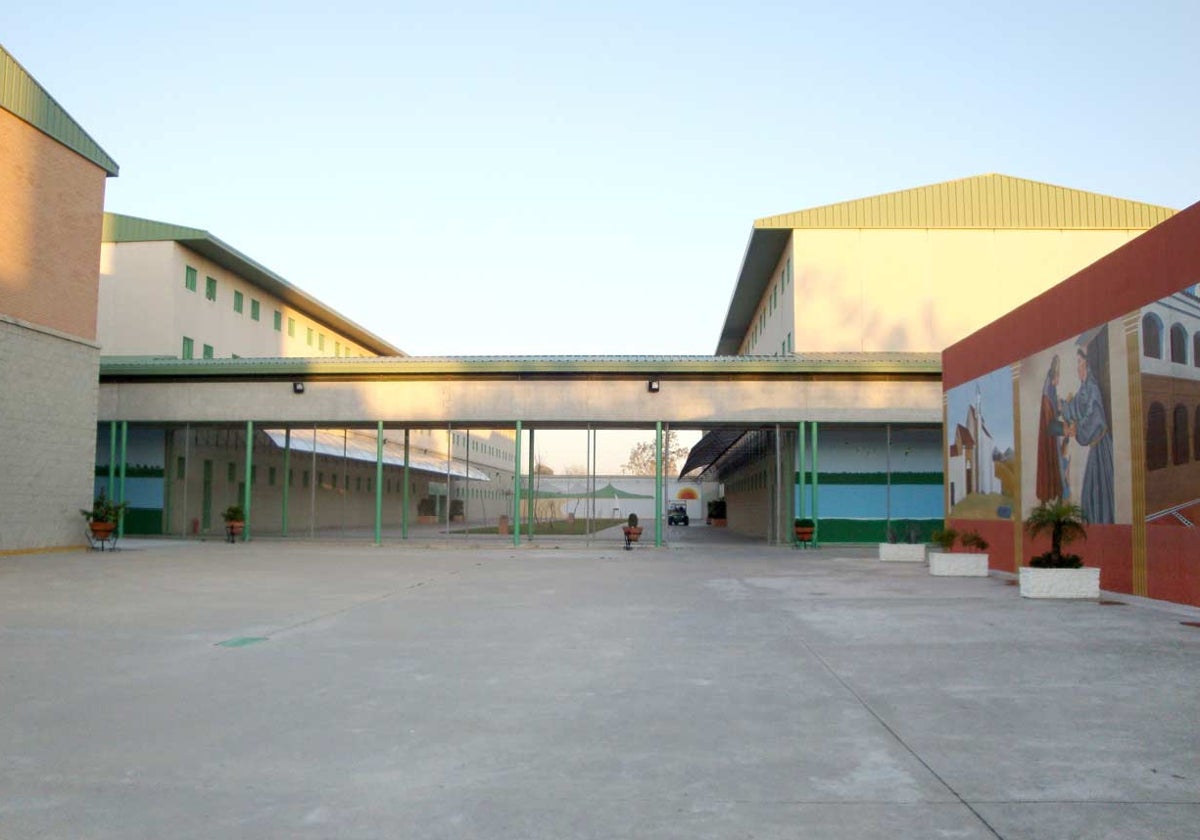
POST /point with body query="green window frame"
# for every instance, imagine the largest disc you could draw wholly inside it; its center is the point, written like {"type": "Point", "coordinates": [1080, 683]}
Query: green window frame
{"type": "Point", "coordinates": [278, 321]}
{"type": "Point", "coordinates": [208, 351]}
{"type": "Point", "coordinates": [253, 309]}
{"type": "Point", "coordinates": [238, 301]}
{"type": "Point", "coordinates": [291, 327]}
{"type": "Point", "coordinates": [189, 278]}
{"type": "Point", "coordinates": [321, 341]}
{"type": "Point", "coordinates": [189, 348]}
{"type": "Point", "coordinates": [310, 336]}
{"type": "Point", "coordinates": [210, 288]}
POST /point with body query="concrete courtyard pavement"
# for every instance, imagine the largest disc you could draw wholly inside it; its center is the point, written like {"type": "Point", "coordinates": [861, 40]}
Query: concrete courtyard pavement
{"type": "Point", "coordinates": [715, 689]}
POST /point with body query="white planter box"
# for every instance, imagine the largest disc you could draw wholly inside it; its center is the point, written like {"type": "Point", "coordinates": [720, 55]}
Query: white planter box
{"type": "Point", "coordinates": [1060, 583]}
{"type": "Point", "coordinates": [902, 552]}
{"type": "Point", "coordinates": [958, 564]}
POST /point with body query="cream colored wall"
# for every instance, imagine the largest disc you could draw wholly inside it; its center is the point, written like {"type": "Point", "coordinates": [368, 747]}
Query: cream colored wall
{"type": "Point", "coordinates": [924, 289]}
{"type": "Point", "coordinates": [778, 323]}
{"type": "Point", "coordinates": [147, 310]}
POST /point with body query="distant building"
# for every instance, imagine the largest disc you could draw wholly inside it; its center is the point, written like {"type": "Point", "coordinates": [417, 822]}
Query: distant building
{"type": "Point", "coordinates": [52, 179]}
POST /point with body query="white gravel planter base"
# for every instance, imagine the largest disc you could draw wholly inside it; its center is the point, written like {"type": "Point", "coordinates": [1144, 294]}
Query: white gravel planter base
{"type": "Point", "coordinates": [1060, 583]}
{"type": "Point", "coordinates": [958, 564]}
{"type": "Point", "coordinates": [902, 552]}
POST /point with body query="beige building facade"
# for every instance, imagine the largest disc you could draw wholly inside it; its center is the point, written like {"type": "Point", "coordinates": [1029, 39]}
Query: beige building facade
{"type": "Point", "coordinates": [912, 271]}
{"type": "Point", "coordinates": [169, 290]}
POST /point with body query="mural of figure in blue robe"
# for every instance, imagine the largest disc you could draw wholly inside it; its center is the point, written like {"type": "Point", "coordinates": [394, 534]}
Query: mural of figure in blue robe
{"type": "Point", "coordinates": [1088, 425]}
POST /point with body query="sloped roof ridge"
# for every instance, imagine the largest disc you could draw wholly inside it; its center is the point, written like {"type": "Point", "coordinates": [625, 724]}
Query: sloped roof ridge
{"type": "Point", "coordinates": [991, 200]}
{"type": "Point", "coordinates": [24, 97]}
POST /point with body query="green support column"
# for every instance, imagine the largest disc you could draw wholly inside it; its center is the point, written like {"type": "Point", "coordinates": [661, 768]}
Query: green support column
{"type": "Point", "coordinates": [124, 458]}
{"type": "Point", "coordinates": [816, 483]}
{"type": "Point", "coordinates": [658, 484]}
{"type": "Point", "coordinates": [246, 484]}
{"type": "Point", "coordinates": [517, 490]}
{"type": "Point", "coordinates": [112, 459]}
{"type": "Point", "coordinates": [287, 475]}
{"type": "Point", "coordinates": [532, 503]}
{"type": "Point", "coordinates": [802, 473]}
{"type": "Point", "coordinates": [404, 513]}
{"type": "Point", "coordinates": [379, 483]}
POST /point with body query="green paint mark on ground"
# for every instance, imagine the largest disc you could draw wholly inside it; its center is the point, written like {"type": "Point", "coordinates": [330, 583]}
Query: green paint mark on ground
{"type": "Point", "coordinates": [242, 641]}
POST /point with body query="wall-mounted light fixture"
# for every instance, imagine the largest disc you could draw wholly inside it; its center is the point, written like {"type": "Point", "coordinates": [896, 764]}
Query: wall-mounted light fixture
{"type": "Point", "coordinates": [652, 386]}
{"type": "Point", "coordinates": [297, 387]}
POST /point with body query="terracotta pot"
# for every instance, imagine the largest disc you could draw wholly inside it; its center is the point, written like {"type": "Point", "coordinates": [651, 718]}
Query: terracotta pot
{"type": "Point", "coordinates": [102, 530]}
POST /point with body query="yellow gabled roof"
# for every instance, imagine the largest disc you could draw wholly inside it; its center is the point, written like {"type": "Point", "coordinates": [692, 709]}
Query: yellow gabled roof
{"type": "Point", "coordinates": [984, 201]}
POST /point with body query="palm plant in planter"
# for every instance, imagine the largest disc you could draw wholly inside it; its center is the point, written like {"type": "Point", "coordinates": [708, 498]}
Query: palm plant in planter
{"type": "Point", "coordinates": [804, 529]}
{"type": "Point", "coordinates": [103, 515]}
{"type": "Point", "coordinates": [946, 562]}
{"type": "Point", "coordinates": [235, 521]}
{"type": "Point", "coordinates": [632, 531]}
{"type": "Point", "coordinates": [1055, 574]}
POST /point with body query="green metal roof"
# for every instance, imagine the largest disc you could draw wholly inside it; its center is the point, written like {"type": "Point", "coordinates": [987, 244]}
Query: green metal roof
{"type": "Point", "coordinates": [877, 364]}
{"type": "Point", "coordinates": [991, 202]}
{"type": "Point", "coordinates": [22, 96]}
{"type": "Point", "coordinates": [119, 228]}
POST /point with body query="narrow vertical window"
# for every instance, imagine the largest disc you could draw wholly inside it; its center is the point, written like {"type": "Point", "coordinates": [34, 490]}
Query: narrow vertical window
{"type": "Point", "coordinates": [291, 327]}
{"type": "Point", "coordinates": [310, 336]}
{"type": "Point", "coordinates": [210, 288]}
{"type": "Point", "coordinates": [321, 342]}
{"type": "Point", "coordinates": [188, 347]}
{"type": "Point", "coordinates": [1178, 344]}
{"type": "Point", "coordinates": [1180, 439]}
{"type": "Point", "coordinates": [208, 351]}
{"type": "Point", "coordinates": [238, 302]}
{"type": "Point", "coordinates": [1152, 336]}
{"type": "Point", "coordinates": [253, 309]}
{"type": "Point", "coordinates": [278, 320]}
{"type": "Point", "coordinates": [189, 278]}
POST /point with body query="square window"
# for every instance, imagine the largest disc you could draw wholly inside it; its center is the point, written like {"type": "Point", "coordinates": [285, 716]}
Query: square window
{"type": "Point", "coordinates": [238, 301]}
{"type": "Point", "coordinates": [210, 288]}
{"type": "Point", "coordinates": [291, 327]}
{"type": "Point", "coordinates": [253, 309]}
{"type": "Point", "coordinates": [208, 351]}
{"type": "Point", "coordinates": [189, 278]}
{"type": "Point", "coordinates": [278, 320]}
{"type": "Point", "coordinates": [188, 347]}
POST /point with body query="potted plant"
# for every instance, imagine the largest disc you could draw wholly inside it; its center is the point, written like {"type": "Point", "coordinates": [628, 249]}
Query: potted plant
{"type": "Point", "coordinates": [427, 511]}
{"type": "Point", "coordinates": [103, 515]}
{"type": "Point", "coordinates": [946, 562]}
{"type": "Point", "coordinates": [902, 545]}
{"type": "Point", "coordinates": [235, 521]}
{"type": "Point", "coordinates": [803, 529]}
{"type": "Point", "coordinates": [716, 513]}
{"type": "Point", "coordinates": [631, 531]}
{"type": "Point", "coordinates": [1055, 574]}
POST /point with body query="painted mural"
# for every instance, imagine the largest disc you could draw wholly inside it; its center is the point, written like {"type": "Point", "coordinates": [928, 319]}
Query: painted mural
{"type": "Point", "coordinates": [1074, 414]}
{"type": "Point", "coordinates": [1169, 342]}
{"type": "Point", "coordinates": [982, 470]}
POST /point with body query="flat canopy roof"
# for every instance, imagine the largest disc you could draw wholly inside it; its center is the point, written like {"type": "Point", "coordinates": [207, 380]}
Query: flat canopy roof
{"type": "Point", "coordinates": [564, 392]}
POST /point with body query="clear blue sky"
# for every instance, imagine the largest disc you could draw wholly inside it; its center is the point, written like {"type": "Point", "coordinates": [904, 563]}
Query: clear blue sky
{"type": "Point", "coordinates": [523, 177]}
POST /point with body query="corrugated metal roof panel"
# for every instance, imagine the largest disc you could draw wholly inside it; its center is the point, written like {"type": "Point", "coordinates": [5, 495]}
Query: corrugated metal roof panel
{"type": "Point", "coordinates": [983, 201]}
{"type": "Point", "coordinates": [22, 96]}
